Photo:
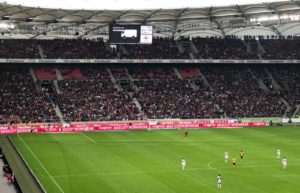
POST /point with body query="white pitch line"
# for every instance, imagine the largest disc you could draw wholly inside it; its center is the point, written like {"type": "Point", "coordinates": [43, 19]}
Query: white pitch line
{"type": "Point", "coordinates": [41, 164]}
{"type": "Point", "coordinates": [208, 164]}
{"type": "Point", "coordinates": [87, 137]}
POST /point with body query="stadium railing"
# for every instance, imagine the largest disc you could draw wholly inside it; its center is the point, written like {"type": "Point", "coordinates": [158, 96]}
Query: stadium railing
{"type": "Point", "coordinates": [150, 61]}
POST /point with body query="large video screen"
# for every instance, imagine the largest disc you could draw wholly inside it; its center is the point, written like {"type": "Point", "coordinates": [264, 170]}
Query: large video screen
{"type": "Point", "coordinates": [130, 34]}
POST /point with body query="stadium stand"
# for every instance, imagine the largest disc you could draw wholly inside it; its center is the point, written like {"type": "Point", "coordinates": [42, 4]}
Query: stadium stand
{"type": "Point", "coordinates": [20, 101]}
{"type": "Point", "coordinates": [288, 79]}
{"type": "Point", "coordinates": [94, 99]}
{"type": "Point", "coordinates": [221, 48]}
{"type": "Point", "coordinates": [69, 73]}
{"type": "Point", "coordinates": [203, 63]}
{"type": "Point", "coordinates": [239, 95]}
{"type": "Point", "coordinates": [173, 98]}
{"type": "Point", "coordinates": [45, 74]}
{"type": "Point", "coordinates": [107, 92]}
{"type": "Point", "coordinates": [119, 72]}
{"type": "Point", "coordinates": [160, 49]}
{"type": "Point", "coordinates": [189, 72]}
{"type": "Point", "coordinates": [96, 72]}
{"type": "Point", "coordinates": [281, 48]}
{"type": "Point", "coordinates": [18, 48]}
{"type": "Point", "coordinates": [72, 48]}
{"type": "Point", "coordinates": [229, 47]}
{"type": "Point", "coordinates": [151, 72]}
{"type": "Point", "coordinates": [99, 92]}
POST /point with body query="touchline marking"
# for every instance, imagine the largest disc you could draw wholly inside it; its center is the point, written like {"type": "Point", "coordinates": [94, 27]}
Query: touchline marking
{"type": "Point", "coordinates": [87, 137]}
{"type": "Point", "coordinates": [41, 164]}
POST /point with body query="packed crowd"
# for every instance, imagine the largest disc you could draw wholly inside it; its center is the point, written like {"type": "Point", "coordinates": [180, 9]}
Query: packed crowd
{"type": "Point", "coordinates": [289, 80]}
{"type": "Point", "coordinates": [262, 77]}
{"type": "Point", "coordinates": [95, 99]}
{"type": "Point", "coordinates": [174, 98]}
{"type": "Point", "coordinates": [281, 49]}
{"type": "Point", "coordinates": [221, 48]}
{"type": "Point", "coordinates": [239, 95]}
{"type": "Point", "coordinates": [234, 90]}
{"type": "Point", "coordinates": [151, 72]}
{"type": "Point", "coordinates": [19, 49]}
{"type": "Point", "coordinates": [161, 48]}
{"type": "Point", "coordinates": [95, 72]}
{"type": "Point", "coordinates": [19, 99]}
{"type": "Point", "coordinates": [75, 49]}
{"type": "Point", "coordinates": [119, 72]}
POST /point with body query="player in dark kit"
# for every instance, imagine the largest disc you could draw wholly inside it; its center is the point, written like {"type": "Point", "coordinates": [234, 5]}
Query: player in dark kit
{"type": "Point", "coordinates": [186, 133]}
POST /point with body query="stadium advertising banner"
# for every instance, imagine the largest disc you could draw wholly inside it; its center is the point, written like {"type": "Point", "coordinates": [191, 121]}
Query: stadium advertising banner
{"type": "Point", "coordinates": [4, 128]}
{"type": "Point", "coordinates": [139, 125]}
{"type": "Point", "coordinates": [161, 61]}
{"type": "Point", "coordinates": [261, 119]}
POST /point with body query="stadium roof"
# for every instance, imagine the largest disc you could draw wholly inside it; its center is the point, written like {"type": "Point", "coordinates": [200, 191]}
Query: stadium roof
{"type": "Point", "coordinates": [174, 20]}
{"type": "Point", "coordinates": [23, 13]}
{"type": "Point", "coordinates": [128, 4]}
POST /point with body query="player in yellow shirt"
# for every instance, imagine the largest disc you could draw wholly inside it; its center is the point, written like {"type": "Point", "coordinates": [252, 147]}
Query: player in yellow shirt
{"type": "Point", "coordinates": [242, 153]}
{"type": "Point", "coordinates": [233, 161]}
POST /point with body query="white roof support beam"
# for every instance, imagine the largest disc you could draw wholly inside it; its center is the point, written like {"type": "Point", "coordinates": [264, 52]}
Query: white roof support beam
{"type": "Point", "coordinates": [122, 14]}
{"type": "Point", "coordinates": [274, 29]}
{"type": "Point", "coordinates": [212, 19]}
{"type": "Point", "coordinates": [176, 21]}
{"type": "Point", "coordinates": [150, 15]}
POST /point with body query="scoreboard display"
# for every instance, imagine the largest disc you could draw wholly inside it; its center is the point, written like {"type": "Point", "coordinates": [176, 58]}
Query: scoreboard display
{"type": "Point", "coordinates": [130, 34]}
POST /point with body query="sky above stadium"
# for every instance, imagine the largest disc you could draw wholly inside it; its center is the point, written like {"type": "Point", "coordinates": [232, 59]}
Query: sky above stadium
{"type": "Point", "coordinates": [129, 4]}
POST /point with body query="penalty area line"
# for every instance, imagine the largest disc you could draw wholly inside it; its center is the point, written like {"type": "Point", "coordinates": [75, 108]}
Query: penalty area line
{"type": "Point", "coordinates": [41, 164]}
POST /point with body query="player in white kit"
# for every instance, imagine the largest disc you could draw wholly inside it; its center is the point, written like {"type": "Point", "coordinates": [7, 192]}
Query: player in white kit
{"type": "Point", "coordinates": [284, 162]}
{"type": "Point", "coordinates": [278, 154]}
{"type": "Point", "coordinates": [183, 163]}
{"type": "Point", "coordinates": [226, 156]}
{"type": "Point", "coordinates": [219, 181]}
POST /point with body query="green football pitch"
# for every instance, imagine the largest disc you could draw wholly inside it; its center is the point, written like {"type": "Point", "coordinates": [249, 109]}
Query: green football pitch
{"type": "Point", "coordinates": [150, 161]}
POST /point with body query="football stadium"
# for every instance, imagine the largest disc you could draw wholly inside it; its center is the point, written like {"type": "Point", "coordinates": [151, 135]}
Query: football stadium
{"type": "Point", "coordinates": [148, 96]}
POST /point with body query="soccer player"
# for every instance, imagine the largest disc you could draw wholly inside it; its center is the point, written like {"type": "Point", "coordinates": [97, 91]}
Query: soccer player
{"type": "Point", "coordinates": [226, 156]}
{"type": "Point", "coordinates": [186, 133]}
{"type": "Point", "coordinates": [284, 162]}
{"type": "Point", "coordinates": [233, 161]}
{"type": "Point", "coordinates": [242, 153]}
{"type": "Point", "coordinates": [278, 154]}
{"type": "Point", "coordinates": [183, 163]}
{"type": "Point", "coordinates": [219, 181]}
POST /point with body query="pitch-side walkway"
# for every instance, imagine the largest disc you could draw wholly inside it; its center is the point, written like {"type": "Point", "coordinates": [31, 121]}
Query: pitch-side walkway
{"type": "Point", "coordinates": [5, 186]}
{"type": "Point", "coordinates": [22, 174]}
